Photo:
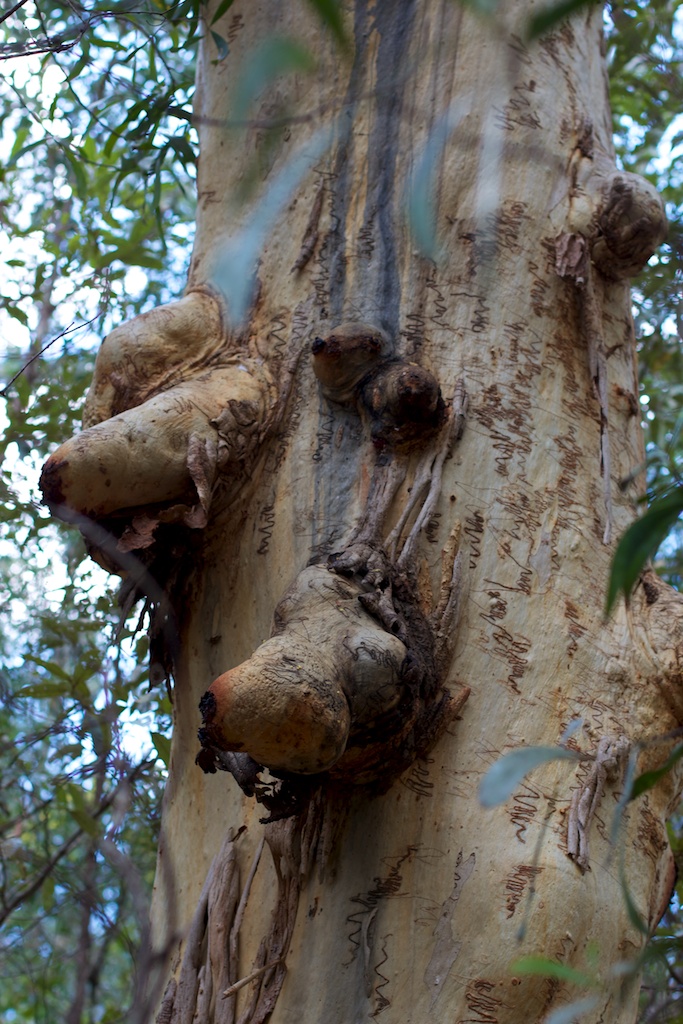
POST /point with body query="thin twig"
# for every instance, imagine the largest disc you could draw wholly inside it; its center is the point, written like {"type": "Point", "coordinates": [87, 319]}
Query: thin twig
{"type": "Point", "coordinates": [251, 977]}
{"type": "Point", "coordinates": [11, 11]}
{"type": "Point", "coordinates": [68, 330]}
{"type": "Point", "coordinates": [241, 907]}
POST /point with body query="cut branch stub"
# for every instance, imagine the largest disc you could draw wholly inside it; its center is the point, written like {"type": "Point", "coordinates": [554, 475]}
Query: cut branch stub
{"type": "Point", "coordinates": [166, 450]}
{"type": "Point", "coordinates": [346, 356]}
{"type": "Point", "coordinates": [631, 226]}
{"type": "Point", "coordinates": [292, 704]}
{"type": "Point", "coordinates": [170, 410]}
{"type": "Point", "coordinates": [154, 351]}
{"type": "Point", "coordinates": [333, 690]}
{"type": "Point", "coordinates": [401, 400]}
{"type": "Point", "coordinates": [620, 214]}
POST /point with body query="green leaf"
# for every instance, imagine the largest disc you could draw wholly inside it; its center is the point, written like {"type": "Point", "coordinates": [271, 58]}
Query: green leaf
{"type": "Point", "coordinates": [541, 965]}
{"type": "Point", "coordinates": [649, 779]}
{"type": "Point", "coordinates": [233, 266]}
{"type": "Point", "coordinates": [221, 45]}
{"type": "Point", "coordinates": [504, 776]}
{"type": "Point", "coordinates": [223, 6]}
{"type": "Point", "coordinates": [14, 311]}
{"type": "Point", "coordinates": [44, 691]}
{"type": "Point", "coordinates": [640, 542]}
{"type": "Point", "coordinates": [76, 163]}
{"type": "Point", "coordinates": [276, 56]}
{"type": "Point", "coordinates": [84, 821]}
{"type": "Point", "coordinates": [548, 17]}
{"type": "Point", "coordinates": [53, 667]}
{"type": "Point", "coordinates": [162, 745]}
{"type": "Point", "coordinates": [634, 914]}
{"type": "Point", "coordinates": [47, 893]}
{"type": "Point", "coordinates": [419, 199]}
{"type": "Point", "coordinates": [330, 12]}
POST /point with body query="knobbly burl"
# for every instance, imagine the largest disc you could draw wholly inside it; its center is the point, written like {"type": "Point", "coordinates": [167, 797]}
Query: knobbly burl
{"type": "Point", "coordinates": [349, 687]}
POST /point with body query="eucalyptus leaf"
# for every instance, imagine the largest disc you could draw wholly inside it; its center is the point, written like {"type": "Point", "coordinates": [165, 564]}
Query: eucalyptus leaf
{"type": "Point", "coordinates": [162, 745]}
{"type": "Point", "coordinates": [330, 12]}
{"type": "Point", "coordinates": [507, 772]}
{"type": "Point", "coordinates": [547, 968]}
{"type": "Point", "coordinates": [53, 667]}
{"type": "Point", "coordinates": [223, 6]}
{"type": "Point", "coordinates": [221, 45]}
{"type": "Point", "coordinates": [639, 543]}
{"type": "Point", "coordinates": [44, 691]}
{"type": "Point", "coordinates": [420, 205]}
{"type": "Point", "coordinates": [634, 915]}
{"type": "Point", "coordinates": [650, 779]}
{"type": "Point", "coordinates": [548, 17]}
{"type": "Point", "coordinates": [234, 266]}
{"type": "Point", "coordinates": [276, 56]}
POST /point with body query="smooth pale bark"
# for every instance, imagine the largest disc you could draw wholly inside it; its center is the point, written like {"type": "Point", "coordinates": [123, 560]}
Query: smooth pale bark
{"type": "Point", "coordinates": [414, 905]}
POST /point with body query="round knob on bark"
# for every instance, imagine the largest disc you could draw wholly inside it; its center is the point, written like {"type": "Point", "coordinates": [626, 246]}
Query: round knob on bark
{"type": "Point", "coordinates": [284, 707]}
{"type": "Point", "coordinates": [345, 356]}
{"type": "Point", "coordinates": [631, 226]}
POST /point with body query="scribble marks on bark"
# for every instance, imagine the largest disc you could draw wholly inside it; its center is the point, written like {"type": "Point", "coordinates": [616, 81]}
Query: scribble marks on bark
{"type": "Point", "coordinates": [517, 883]}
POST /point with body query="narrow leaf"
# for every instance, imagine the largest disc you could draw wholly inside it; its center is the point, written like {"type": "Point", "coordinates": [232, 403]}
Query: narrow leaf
{"type": "Point", "coordinates": [547, 17]}
{"type": "Point", "coordinates": [575, 724]}
{"type": "Point", "coordinates": [52, 667]}
{"type": "Point", "coordinates": [420, 196]}
{"type": "Point", "coordinates": [223, 6]}
{"type": "Point", "coordinates": [649, 779]}
{"type": "Point", "coordinates": [221, 45]}
{"type": "Point", "coordinates": [640, 542]}
{"type": "Point", "coordinates": [44, 691]}
{"type": "Point", "coordinates": [84, 821]}
{"type": "Point", "coordinates": [543, 966]}
{"type": "Point", "coordinates": [484, 8]}
{"type": "Point", "coordinates": [234, 265]}
{"type": "Point", "coordinates": [634, 914]}
{"type": "Point", "coordinates": [76, 162]}
{"type": "Point", "coordinates": [162, 745]}
{"type": "Point", "coordinates": [504, 776]}
{"type": "Point", "coordinates": [330, 12]}
{"type": "Point", "coordinates": [276, 56]}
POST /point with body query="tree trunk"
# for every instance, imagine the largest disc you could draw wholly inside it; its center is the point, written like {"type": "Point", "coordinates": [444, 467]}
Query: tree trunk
{"type": "Point", "coordinates": [249, 445]}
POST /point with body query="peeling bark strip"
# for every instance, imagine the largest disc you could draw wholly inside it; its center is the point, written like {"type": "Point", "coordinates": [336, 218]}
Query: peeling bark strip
{"type": "Point", "coordinates": [609, 766]}
{"type": "Point", "coordinates": [207, 984]}
{"type": "Point", "coordinates": [330, 491]}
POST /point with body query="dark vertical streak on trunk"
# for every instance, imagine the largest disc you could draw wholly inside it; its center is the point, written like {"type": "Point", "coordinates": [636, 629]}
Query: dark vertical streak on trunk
{"type": "Point", "coordinates": [377, 291]}
{"type": "Point", "coordinates": [383, 211]}
{"type": "Point", "coordinates": [343, 168]}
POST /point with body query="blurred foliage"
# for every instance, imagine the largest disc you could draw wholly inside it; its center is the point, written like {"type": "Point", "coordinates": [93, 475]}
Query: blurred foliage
{"type": "Point", "coordinates": [646, 85]}
{"type": "Point", "coordinates": [97, 158]}
{"type": "Point", "coordinates": [97, 161]}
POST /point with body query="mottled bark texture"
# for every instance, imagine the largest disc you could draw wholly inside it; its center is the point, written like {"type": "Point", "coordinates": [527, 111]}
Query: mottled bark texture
{"type": "Point", "coordinates": [296, 465]}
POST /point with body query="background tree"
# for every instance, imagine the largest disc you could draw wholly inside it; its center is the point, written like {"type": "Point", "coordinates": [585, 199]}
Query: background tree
{"type": "Point", "coordinates": [295, 60]}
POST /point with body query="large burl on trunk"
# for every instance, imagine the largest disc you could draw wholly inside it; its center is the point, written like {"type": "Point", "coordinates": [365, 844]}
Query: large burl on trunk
{"type": "Point", "coordinates": [383, 500]}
